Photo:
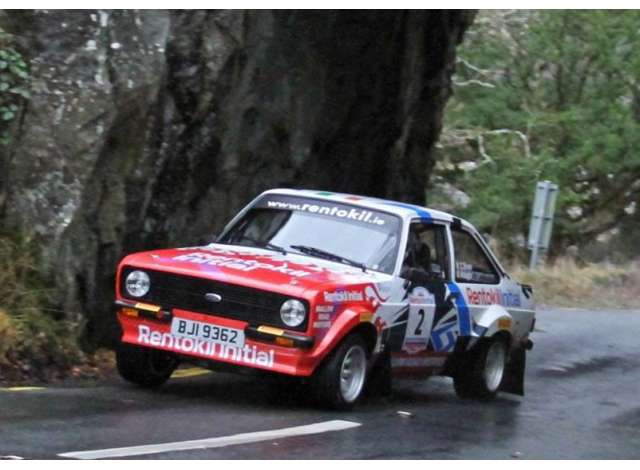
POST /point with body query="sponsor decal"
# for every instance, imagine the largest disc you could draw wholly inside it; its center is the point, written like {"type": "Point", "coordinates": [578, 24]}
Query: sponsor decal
{"type": "Point", "coordinates": [443, 338]}
{"type": "Point", "coordinates": [373, 296]}
{"type": "Point", "coordinates": [511, 300]}
{"type": "Point", "coordinates": [492, 296]}
{"type": "Point", "coordinates": [420, 295]}
{"type": "Point", "coordinates": [239, 264]}
{"type": "Point", "coordinates": [341, 212]}
{"type": "Point", "coordinates": [324, 316]}
{"type": "Point", "coordinates": [448, 328]}
{"type": "Point", "coordinates": [415, 345]}
{"type": "Point", "coordinates": [398, 360]}
{"type": "Point", "coordinates": [245, 355]}
{"type": "Point", "coordinates": [325, 308]}
{"type": "Point", "coordinates": [322, 324]}
{"type": "Point", "coordinates": [464, 270]}
{"type": "Point", "coordinates": [483, 296]}
{"type": "Point", "coordinates": [344, 296]}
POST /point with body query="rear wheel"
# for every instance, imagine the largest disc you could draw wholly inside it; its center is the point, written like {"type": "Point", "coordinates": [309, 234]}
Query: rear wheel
{"type": "Point", "coordinates": [144, 366]}
{"type": "Point", "coordinates": [481, 373]}
{"type": "Point", "coordinates": [340, 380]}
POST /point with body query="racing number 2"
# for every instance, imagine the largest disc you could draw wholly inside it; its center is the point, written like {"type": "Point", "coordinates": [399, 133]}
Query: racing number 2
{"type": "Point", "coordinates": [418, 331]}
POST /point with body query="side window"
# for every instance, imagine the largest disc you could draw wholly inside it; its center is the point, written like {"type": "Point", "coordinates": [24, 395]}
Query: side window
{"type": "Point", "coordinates": [472, 264]}
{"type": "Point", "coordinates": [427, 251]}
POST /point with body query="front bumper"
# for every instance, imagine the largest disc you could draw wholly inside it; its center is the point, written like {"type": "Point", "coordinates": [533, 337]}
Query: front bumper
{"type": "Point", "coordinates": [265, 347]}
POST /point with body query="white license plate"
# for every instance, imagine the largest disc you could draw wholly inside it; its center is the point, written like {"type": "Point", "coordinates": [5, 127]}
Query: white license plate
{"type": "Point", "coordinates": [207, 332]}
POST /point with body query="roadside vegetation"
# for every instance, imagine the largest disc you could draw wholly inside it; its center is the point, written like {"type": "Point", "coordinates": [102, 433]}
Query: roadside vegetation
{"type": "Point", "coordinates": [14, 84]}
{"type": "Point", "coordinates": [567, 284]}
{"type": "Point", "coordinates": [36, 343]}
{"type": "Point", "coordinates": [546, 95]}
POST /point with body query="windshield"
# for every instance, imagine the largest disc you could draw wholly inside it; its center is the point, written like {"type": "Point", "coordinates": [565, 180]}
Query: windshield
{"type": "Point", "coordinates": [359, 236]}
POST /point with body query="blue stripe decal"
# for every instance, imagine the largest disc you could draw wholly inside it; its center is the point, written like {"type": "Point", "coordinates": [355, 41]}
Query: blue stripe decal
{"type": "Point", "coordinates": [464, 317]}
{"type": "Point", "coordinates": [422, 213]}
{"type": "Point", "coordinates": [444, 339]}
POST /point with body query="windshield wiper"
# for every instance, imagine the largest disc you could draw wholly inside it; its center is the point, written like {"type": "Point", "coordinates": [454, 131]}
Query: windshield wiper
{"type": "Point", "coordinates": [269, 246]}
{"type": "Point", "coordinates": [273, 247]}
{"type": "Point", "coordinates": [313, 251]}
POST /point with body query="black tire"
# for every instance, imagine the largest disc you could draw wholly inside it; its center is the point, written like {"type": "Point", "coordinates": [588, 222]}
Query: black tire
{"type": "Point", "coordinates": [145, 367]}
{"type": "Point", "coordinates": [326, 382]}
{"type": "Point", "coordinates": [474, 377]}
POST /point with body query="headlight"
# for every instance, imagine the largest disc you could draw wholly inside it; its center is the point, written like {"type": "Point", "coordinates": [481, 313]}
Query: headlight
{"type": "Point", "coordinates": [137, 283]}
{"type": "Point", "coordinates": [293, 312]}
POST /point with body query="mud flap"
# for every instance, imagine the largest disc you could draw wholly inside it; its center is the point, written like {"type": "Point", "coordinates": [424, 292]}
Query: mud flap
{"type": "Point", "coordinates": [513, 381]}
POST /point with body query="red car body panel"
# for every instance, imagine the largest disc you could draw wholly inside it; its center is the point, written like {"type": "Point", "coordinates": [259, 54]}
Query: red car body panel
{"type": "Point", "coordinates": [236, 265]}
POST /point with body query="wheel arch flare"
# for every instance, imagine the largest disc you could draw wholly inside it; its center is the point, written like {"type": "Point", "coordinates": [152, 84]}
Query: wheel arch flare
{"type": "Point", "coordinates": [492, 321]}
{"type": "Point", "coordinates": [353, 319]}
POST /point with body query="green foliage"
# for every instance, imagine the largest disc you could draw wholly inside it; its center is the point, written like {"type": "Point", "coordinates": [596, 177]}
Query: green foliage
{"type": "Point", "coordinates": [567, 83]}
{"type": "Point", "coordinates": [14, 84]}
{"type": "Point", "coordinates": [33, 340]}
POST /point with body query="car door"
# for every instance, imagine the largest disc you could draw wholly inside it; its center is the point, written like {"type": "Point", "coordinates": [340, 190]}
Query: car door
{"type": "Point", "coordinates": [476, 275]}
{"type": "Point", "coordinates": [425, 268]}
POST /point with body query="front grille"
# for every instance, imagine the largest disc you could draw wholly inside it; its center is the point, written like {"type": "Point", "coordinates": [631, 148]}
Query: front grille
{"type": "Point", "coordinates": [257, 307]}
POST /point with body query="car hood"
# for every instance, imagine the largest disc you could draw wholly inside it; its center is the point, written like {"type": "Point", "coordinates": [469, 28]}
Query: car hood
{"type": "Point", "coordinates": [290, 274]}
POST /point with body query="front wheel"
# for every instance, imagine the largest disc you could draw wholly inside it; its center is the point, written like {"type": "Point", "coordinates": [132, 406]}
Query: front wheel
{"type": "Point", "coordinates": [480, 374]}
{"type": "Point", "coordinates": [341, 378]}
{"type": "Point", "coordinates": [144, 366]}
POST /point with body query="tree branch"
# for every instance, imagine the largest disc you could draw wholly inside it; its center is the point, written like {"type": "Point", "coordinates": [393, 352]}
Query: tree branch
{"type": "Point", "coordinates": [473, 82]}
{"type": "Point", "coordinates": [521, 135]}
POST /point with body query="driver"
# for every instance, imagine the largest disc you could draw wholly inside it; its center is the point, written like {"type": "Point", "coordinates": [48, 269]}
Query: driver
{"type": "Point", "coordinates": [418, 254]}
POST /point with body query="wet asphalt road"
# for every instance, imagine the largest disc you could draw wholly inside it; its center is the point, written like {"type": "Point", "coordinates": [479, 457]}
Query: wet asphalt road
{"type": "Point", "coordinates": [583, 401]}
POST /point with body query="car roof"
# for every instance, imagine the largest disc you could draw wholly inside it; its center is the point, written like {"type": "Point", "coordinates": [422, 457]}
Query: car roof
{"type": "Point", "coordinates": [404, 210]}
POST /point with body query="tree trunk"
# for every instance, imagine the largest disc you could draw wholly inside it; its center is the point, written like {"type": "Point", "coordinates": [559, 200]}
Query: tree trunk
{"type": "Point", "coordinates": [152, 128]}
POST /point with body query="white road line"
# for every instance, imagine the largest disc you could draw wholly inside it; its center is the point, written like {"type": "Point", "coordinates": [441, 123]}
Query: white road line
{"type": "Point", "coordinates": [244, 438]}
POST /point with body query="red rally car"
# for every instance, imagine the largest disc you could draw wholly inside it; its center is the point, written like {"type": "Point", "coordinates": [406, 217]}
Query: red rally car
{"type": "Point", "coordinates": [338, 289]}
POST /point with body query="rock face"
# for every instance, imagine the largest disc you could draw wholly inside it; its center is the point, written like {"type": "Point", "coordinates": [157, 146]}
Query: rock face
{"type": "Point", "coordinates": [152, 128]}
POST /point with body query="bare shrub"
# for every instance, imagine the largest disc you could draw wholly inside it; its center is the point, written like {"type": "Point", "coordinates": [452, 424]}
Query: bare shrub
{"type": "Point", "coordinates": [567, 284]}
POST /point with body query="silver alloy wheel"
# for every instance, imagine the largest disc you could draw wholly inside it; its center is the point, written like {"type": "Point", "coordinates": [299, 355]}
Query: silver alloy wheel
{"type": "Point", "coordinates": [352, 373]}
{"type": "Point", "coordinates": [494, 366]}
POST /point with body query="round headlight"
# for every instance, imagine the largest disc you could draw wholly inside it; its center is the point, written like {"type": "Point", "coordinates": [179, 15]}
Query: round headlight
{"type": "Point", "coordinates": [137, 283]}
{"type": "Point", "coordinates": [293, 312]}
